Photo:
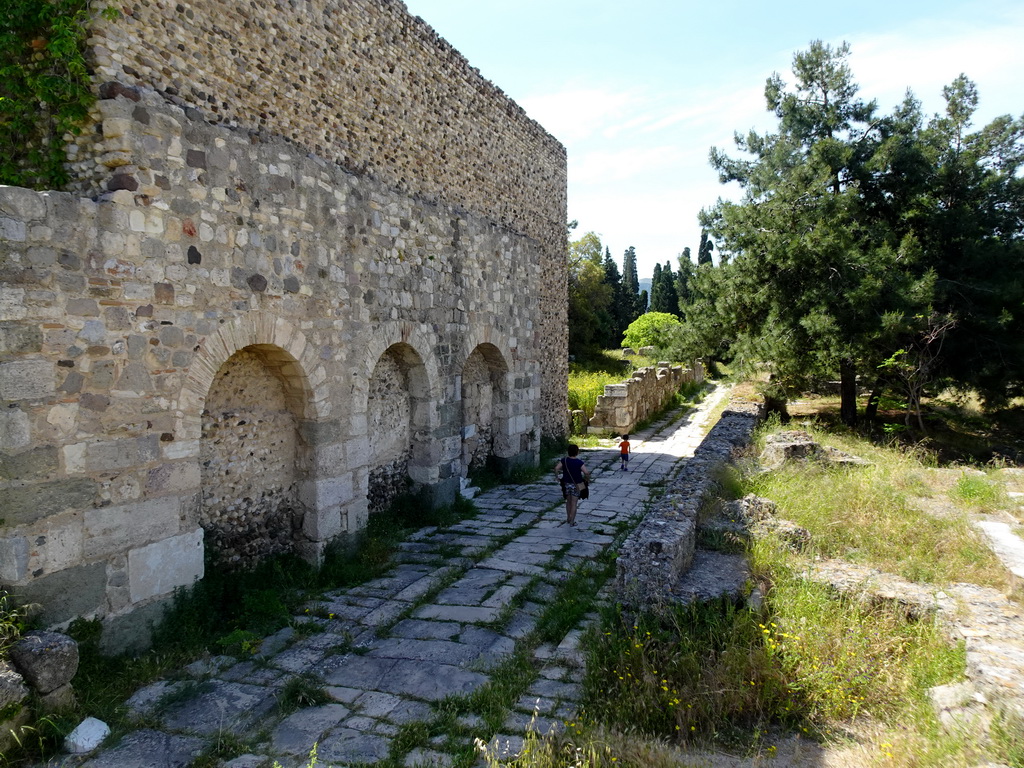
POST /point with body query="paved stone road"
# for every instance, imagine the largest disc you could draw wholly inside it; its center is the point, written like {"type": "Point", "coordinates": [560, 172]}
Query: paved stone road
{"type": "Point", "coordinates": [462, 603]}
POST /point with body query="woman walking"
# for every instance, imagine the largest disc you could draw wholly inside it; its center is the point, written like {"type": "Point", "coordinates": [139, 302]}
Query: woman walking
{"type": "Point", "coordinates": [572, 474]}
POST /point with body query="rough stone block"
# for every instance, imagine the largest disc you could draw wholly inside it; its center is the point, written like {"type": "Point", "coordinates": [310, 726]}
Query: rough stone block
{"type": "Point", "coordinates": [27, 380]}
{"type": "Point", "coordinates": [14, 430]}
{"type": "Point", "coordinates": [12, 686]}
{"type": "Point", "coordinates": [111, 454]}
{"type": "Point", "coordinates": [13, 559]}
{"type": "Point", "coordinates": [38, 463]}
{"type": "Point", "coordinates": [16, 338]}
{"type": "Point", "coordinates": [12, 303]}
{"type": "Point", "coordinates": [158, 568]}
{"type": "Point", "coordinates": [22, 203]}
{"type": "Point", "coordinates": [117, 529]}
{"type": "Point", "coordinates": [318, 433]}
{"type": "Point", "coordinates": [175, 477]}
{"type": "Point", "coordinates": [88, 735]}
{"type": "Point", "coordinates": [59, 547]}
{"type": "Point", "coordinates": [63, 595]}
{"type": "Point", "coordinates": [27, 504]}
{"type": "Point", "coordinates": [327, 493]}
{"type": "Point", "coordinates": [133, 632]}
{"type": "Point", "coordinates": [12, 229]}
{"type": "Point", "coordinates": [47, 660]}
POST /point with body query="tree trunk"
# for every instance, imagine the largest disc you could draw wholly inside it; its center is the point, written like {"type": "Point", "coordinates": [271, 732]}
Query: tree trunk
{"type": "Point", "coordinates": [848, 392]}
{"type": "Point", "coordinates": [871, 411]}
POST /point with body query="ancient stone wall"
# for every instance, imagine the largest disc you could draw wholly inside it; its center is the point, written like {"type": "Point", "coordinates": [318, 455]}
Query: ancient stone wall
{"type": "Point", "coordinates": [623, 406]}
{"type": "Point", "coordinates": [192, 341]}
{"type": "Point", "coordinates": [360, 83]}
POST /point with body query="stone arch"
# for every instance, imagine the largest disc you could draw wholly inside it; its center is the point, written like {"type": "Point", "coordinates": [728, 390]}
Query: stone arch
{"type": "Point", "coordinates": [248, 401]}
{"type": "Point", "coordinates": [251, 459]}
{"type": "Point", "coordinates": [399, 415]}
{"type": "Point", "coordinates": [485, 412]}
{"type": "Point", "coordinates": [410, 340]}
{"type": "Point", "coordinates": [305, 375]}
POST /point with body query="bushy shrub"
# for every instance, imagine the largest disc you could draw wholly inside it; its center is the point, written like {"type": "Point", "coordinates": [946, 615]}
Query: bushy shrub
{"type": "Point", "coordinates": [648, 330]}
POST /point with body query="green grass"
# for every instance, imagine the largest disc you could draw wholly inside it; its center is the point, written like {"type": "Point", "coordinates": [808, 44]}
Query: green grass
{"type": "Point", "coordinates": [300, 692]}
{"type": "Point", "coordinates": [12, 623]}
{"type": "Point", "coordinates": [864, 515]}
{"type": "Point", "coordinates": [585, 388]}
{"type": "Point", "coordinates": [979, 493]}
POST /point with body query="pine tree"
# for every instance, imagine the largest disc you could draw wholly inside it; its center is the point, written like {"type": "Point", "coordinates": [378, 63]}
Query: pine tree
{"type": "Point", "coordinates": [621, 306]}
{"type": "Point", "coordinates": [705, 249]}
{"type": "Point", "coordinates": [631, 284]}
{"type": "Point", "coordinates": [656, 287]}
{"type": "Point", "coordinates": [809, 278]}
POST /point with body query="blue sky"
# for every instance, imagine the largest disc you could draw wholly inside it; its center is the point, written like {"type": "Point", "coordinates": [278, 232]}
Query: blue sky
{"type": "Point", "coordinates": [639, 91]}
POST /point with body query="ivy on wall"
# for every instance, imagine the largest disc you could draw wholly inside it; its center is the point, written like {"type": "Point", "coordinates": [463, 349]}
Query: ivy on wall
{"type": "Point", "coordinates": [44, 87]}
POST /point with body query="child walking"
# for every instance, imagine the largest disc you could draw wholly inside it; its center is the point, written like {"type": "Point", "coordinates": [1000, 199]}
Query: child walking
{"type": "Point", "coordinates": [624, 453]}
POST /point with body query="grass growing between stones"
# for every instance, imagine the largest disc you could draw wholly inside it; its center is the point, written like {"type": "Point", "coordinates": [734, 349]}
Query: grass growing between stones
{"type": "Point", "coordinates": [301, 691]}
{"type": "Point", "coordinates": [227, 611]}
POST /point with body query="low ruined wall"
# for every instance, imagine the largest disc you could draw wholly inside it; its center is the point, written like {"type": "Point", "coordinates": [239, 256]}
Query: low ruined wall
{"type": "Point", "coordinates": [661, 549]}
{"type": "Point", "coordinates": [623, 406]}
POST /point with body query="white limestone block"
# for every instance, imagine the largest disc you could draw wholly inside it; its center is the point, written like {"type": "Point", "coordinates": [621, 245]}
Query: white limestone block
{"type": "Point", "coordinates": [89, 734]}
{"type": "Point", "coordinates": [114, 529]}
{"type": "Point", "coordinates": [26, 380]}
{"type": "Point", "coordinates": [159, 568]}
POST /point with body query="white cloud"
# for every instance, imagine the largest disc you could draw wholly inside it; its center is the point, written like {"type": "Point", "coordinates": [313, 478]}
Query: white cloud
{"type": "Point", "coordinates": [925, 60]}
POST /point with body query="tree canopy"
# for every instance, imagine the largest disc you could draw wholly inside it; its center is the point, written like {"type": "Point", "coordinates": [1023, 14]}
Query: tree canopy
{"type": "Point", "coordinates": [602, 302]}
{"type": "Point", "coordinates": [871, 245]}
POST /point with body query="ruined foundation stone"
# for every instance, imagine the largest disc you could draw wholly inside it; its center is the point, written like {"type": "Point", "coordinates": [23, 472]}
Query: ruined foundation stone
{"type": "Point", "coordinates": [297, 237]}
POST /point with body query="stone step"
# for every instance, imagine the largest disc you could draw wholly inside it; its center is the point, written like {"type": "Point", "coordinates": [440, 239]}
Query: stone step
{"type": "Point", "coordinates": [712, 576]}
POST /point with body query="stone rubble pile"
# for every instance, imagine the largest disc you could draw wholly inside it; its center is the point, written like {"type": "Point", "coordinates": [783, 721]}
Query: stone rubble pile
{"type": "Point", "coordinates": [40, 662]}
{"type": "Point", "coordinates": [798, 445]}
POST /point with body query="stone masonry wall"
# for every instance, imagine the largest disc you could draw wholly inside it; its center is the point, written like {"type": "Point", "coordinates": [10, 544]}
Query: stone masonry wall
{"type": "Point", "coordinates": [623, 406]}
{"type": "Point", "coordinates": [360, 83]}
{"type": "Point", "coordinates": [117, 314]}
{"type": "Point", "coordinates": [661, 549]}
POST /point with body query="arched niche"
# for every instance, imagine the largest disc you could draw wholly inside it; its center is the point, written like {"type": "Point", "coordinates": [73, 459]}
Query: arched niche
{"type": "Point", "coordinates": [484, 407]}
{"type": "Point", "coordinates": [252, 458]}
{"type": "Point", "coordinates": [398, 426]}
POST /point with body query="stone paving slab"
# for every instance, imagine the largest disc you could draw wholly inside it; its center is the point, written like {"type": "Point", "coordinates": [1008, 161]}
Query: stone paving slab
{"type": "Point", "coordinates": [440, 651]}
{"type": "Point", "coordinates": [153, 749]}
{"type": "Point", "coordinates": [430, 681]}
{"type": "Point", "coordinates": [347, 745]}
{"type": "Point", "coordinates": [220, 706]}
{"type": "Point", "coordinates": [296, 734]}
{"type": "Point", "coordinates": [418, 629]}
{"type": "Point", "coordinates": [512, 566]}
{"type": "Point", "coordinates": [461, 613]}
{"type": "Point", "coordinates": [440, 648]}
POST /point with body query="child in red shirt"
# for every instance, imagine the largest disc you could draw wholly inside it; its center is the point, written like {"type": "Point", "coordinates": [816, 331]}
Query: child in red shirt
{"type": "Point", "coordinates": [624, 452]}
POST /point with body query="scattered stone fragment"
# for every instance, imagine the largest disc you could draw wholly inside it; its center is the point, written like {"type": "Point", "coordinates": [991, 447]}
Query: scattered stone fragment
{"type": "Point", "coordinates": [86, 736]}
{"type": "Point", "coordinates": [47, 660]}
